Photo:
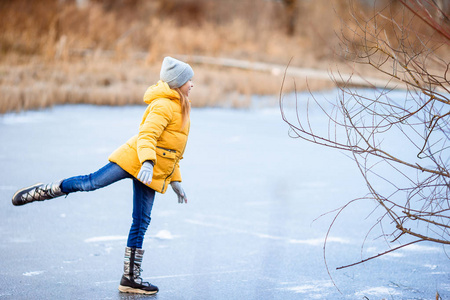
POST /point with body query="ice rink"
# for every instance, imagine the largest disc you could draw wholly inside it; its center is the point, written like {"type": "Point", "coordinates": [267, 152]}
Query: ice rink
{"type": "Point", "coordinates": [251, 228]}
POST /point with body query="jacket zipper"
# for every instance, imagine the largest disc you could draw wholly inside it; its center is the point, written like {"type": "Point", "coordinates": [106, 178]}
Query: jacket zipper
{"type": "Point", "coordinates": [181, 154]}
{"type": "Point", "coordinates": [170, 150]}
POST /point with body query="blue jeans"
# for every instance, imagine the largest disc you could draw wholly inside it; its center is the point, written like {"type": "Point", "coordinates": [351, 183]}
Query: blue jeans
{"type": "Point", "coordinates": [143, 197]}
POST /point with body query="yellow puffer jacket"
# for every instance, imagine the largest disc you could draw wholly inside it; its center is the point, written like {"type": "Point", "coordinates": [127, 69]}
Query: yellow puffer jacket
{"type": "Point", "coordinates": [161, 138]}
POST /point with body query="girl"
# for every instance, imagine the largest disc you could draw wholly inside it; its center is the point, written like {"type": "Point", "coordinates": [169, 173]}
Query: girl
{"type": "Point", "coordinates": [150, 158]}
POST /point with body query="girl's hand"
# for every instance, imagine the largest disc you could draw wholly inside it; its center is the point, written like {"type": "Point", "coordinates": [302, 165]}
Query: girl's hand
{"type": "Point", "coordinates": [146, 173]}
{"type": "Point", "coordinates": [176, 186]}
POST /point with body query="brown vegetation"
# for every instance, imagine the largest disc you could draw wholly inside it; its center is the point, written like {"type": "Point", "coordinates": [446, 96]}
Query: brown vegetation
{"type": "Point", "coordinates": [109, 51]}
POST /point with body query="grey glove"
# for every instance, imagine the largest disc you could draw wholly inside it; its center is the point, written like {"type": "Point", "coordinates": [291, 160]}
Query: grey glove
{"type": "Point", "coordinates": [176, 186]}
{"type": "Point", "coordinates": [146, 173]}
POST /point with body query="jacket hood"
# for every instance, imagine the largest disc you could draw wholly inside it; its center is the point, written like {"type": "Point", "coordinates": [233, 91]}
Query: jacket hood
{"type": "Point", "coordinates": [160, 90]}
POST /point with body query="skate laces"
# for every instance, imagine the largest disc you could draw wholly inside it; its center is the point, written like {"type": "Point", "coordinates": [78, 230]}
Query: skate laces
{"type": "Point", "coordinates": [37, 193]}
{"type": "Point", "coordinates": [137, 271]}
{"type": "Point", "coordinates": [137, 274]}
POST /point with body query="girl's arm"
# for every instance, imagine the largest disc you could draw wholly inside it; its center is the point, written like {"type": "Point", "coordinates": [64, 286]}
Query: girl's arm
{"type": "Point", "coordinates": [159, 116]}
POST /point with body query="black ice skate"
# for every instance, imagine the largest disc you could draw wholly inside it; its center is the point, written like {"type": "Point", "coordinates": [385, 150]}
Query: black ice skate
{"type": "Point", "coordinates": [37, 192]}
{"type": "Point", "coordinates": [131, 282]}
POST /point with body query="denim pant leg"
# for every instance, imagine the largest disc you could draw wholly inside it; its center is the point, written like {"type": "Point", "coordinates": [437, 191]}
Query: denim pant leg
{"type": "Point", "coordinates": [143, 198]}
{"type": "Point", "coordinates": [107, 175]}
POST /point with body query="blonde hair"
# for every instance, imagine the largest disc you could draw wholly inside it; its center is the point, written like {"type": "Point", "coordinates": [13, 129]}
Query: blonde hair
{"type": "Point", "coordinates": [185, 108]}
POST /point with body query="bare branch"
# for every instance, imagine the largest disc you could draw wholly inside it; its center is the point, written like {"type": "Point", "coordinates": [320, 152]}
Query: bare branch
{"type": "Point", "coordinates": [378, 255]}
{"type": "Point", "coordinates": [407, 44]}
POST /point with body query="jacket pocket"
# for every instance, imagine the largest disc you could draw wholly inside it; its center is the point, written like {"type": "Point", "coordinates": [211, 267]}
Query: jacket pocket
{"type": "Point", "coordinates": [166, 153]}
{"type": "Point", "coordinates": [165, 163]}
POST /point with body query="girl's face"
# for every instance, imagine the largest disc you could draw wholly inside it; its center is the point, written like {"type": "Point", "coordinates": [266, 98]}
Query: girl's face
{"type": "Point", "coordinates": [186, 88]}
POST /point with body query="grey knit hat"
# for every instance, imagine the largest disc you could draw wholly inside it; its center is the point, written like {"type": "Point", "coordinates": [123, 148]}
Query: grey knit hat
{"type": "Point", "coordinates": [175, 72]}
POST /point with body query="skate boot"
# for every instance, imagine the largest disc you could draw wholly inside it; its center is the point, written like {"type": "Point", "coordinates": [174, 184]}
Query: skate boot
{"type": "Point", "coordinates": [37, 192]}
{"type": "Point", "coordinates": [131, 282]}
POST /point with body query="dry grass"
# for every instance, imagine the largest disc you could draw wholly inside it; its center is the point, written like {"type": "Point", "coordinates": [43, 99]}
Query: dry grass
{"type": "Point", "coordinates": [41, 42]}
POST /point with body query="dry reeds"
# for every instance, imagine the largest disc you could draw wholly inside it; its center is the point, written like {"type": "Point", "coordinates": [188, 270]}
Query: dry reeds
{"type": "Point", "coordinates": [108, 52]}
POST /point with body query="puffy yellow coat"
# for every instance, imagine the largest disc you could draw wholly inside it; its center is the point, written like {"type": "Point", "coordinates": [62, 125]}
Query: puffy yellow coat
{"type": "Point", "coordinates": [160, 139]}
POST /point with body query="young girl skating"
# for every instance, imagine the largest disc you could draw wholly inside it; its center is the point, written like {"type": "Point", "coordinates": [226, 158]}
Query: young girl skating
{"type": "Point", "coordinates": [150, 159]}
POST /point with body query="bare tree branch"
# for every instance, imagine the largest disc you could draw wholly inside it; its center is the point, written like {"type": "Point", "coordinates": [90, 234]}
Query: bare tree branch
{"type": "Point", "coordinates": [408, 43]}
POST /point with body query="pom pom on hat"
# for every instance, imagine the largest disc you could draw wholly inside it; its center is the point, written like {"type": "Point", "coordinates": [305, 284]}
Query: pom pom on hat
{"type": "Point", "coordinates": [175, 72]}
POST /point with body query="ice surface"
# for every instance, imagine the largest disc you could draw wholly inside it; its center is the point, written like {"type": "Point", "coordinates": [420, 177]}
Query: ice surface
{"type": "Point", "coordinates": [254, 226]}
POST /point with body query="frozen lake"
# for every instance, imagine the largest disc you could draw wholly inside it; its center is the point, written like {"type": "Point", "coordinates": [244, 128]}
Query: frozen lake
{"type": "Point", "coordinates": [249, 231]}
